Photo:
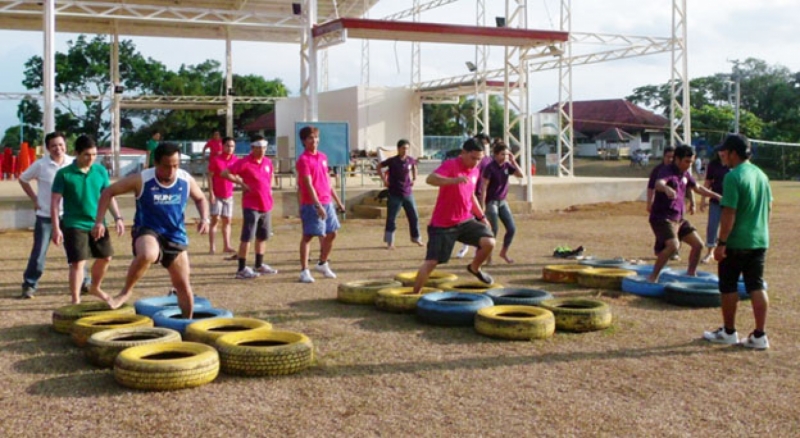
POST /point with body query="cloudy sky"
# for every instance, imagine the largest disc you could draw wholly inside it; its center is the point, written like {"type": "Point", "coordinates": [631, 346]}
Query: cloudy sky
{"type": "Point", "coordinates": [719, 31]}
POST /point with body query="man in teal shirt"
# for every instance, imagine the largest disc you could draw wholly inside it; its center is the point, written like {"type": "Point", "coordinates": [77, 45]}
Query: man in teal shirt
{"type": "Point", "coordinates": [150, 147]}
{"type": "Point", "coordinates": [80, 185]}
{"type": "Point", "coordinates": [743, 242]}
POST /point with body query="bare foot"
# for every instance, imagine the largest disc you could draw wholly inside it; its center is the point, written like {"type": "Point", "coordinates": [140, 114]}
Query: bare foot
{"type": "Point", "coordinates": [707, 259]}
{"type": "Point", "coordinates": [418, 242]}
{"type": "Point", "coordinates": [390, 247]}
{"type": "Point", "coordinates": [211, 251]}
{"type": "Point", "coordinates": [99, 293]}
{"type": "Point", "coordinates": [118, 301]}
{"type": "Point", "coordinates": [229, 250]}
{"type": "Point", "coordinates": [508, 259]}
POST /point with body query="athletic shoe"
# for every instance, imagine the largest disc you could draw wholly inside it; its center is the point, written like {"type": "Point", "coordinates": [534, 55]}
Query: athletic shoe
{"type": "Point", "coordinates": [325, 268]}
{"type": "Point", "coordinates": [247, 273]}
{"type": "Point", "coordinates": [85, 288]}
{"type": "Point", "coordinates": [462, 252]}
{"type": "Point", "coordinates": [266, 269]}
{"type": "Point", "coordinates": [751, 341]}
{"type": "Point", "coordinates": [719, 336]}
{"type": "Point", "coordinates": [480, 275]}
{"type": "Point", "coordinates": [305, 276]}
{"type": "Point", "coordinates": [28, 293]}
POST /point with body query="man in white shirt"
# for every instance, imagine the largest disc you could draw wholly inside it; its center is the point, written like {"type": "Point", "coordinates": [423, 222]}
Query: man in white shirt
{"type": "Point", "coordinates": [43, 171]}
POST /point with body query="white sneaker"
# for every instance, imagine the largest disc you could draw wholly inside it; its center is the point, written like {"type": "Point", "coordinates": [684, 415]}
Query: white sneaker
{"type": "Point", "coordinates": [305, 276]}
{"type": "Point", "coordinates": [462, 252]}
{"type": "Point", "coordinates": [751, 341]}
{"type": "Point", "coordinates": [266, 269]}
{"type": "Point", "coordinates": [719, 336]}
{"type": "Point", "coordinates": [325, 268]}
{"type": "Point", "coordinates": [247, 273]}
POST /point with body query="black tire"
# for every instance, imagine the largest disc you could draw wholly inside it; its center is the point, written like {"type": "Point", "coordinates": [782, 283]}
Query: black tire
{"type": "Point", "coordinates": [152, 305]}
{"type": "Point", "coordinates": [103, 347]}
{"type": "Point", "coordinates": [171, 318]}
{"type": "Point", "coordinates": [451, 308]}
{"type": "Point", "coordinates": [679, 276]}
{"type": "Point", "coordinates": [515, 296]}
{"type": "Point", "coordinates": [603, 263]}
{"type": "Point", "coordinates": [693, 294]}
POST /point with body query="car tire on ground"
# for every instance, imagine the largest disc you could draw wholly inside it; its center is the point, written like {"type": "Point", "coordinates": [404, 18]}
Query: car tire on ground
{"type": "Point", "coordinates": [451, 308]}
{"type": "Point", "coordinates": [172, 318]}
{"type": "Point", "coordinates": [515, 322]}
{"type": "Point", "coordinates": [264, 353]}
{"type": "Point", "coordinates": [85, 327]}
{"type": "Point", "coordinates": [603, 278]}
{"type": "Point", "coordinates": [468, 286]}
{"type": "Point", "coordinates": [435, 279]}
{"type": "Point", "coordinates": [401, 299]}
{"type": "Point", "coordinates": [166, 366]}
{"type": "Point", "coordinates": [208, 331]}
{"type": "Point", "coordinates": [604, 263]}
{"type": "Point", "coordinates": [563, 273]}
{"type": "Point", "coordinates": [517, 296]}
{"type": "Point", "coordinates": [65, 316]}
{"type": "Point", "coordinates": [152, 305]}
{"type": "Point", "coordinates": [579, 314]}
{"type": "Point", "coordinates": [696, 294]}
{"type": "Point", "coordinates": [103, 347]}
{"type": "Point", "coordinates": [362, 292]}
{"type": "Point", "coordinates": [641, 286]}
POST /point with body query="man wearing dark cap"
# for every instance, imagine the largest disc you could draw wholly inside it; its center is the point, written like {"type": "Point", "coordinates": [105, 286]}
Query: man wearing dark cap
{"type": "Point", "coordinates": [457, 215]}
{"type": "Point", "coordinates": [743, 242]}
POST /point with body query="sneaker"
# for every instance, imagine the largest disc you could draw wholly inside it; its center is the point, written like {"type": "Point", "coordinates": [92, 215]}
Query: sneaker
{"type": "Point", "coordinates": [719, 336]}
{"type": "Point", "coordinates": [266, 269]}
{"type": "Point", "coordinates": [462, 252]}
{"type": "Point", "coordinates": [751, 341]}
{"type": "Point", "coordinates": [305, 276]}
{"type": "Point", "coordinates": [28, 293]}
{"type": "Point", "coordinates": [85, 288]}
{"type": "Point", "coordinates": [325, 268]}
{"type": "Point", "coordinates": [247, 273]}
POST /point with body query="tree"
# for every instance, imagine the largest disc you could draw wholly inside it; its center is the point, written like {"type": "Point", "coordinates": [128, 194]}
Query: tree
{"type": "Point", "coordinates": [30, 114]}
{"type": "Point", "coordinates": [458, 120]}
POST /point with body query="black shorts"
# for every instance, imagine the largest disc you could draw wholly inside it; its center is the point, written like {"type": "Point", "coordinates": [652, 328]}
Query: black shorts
{"type": "Point", "coordinates": [749, 263]}
{"type": "Point", "coordinates": [667, 230]}
{"type": "Point", "coordinates": [442, 240]}
{"type": "Point", "coordinates": [80, 245]}
{"type": "Point", "coordinates": [255, 225]}
{"type": "Point", "coordinates": [168, 251]}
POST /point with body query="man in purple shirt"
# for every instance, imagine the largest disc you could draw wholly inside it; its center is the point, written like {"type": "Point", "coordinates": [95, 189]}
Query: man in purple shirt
{"type": "Point", "coordinates": [401, 172]}
{"type": "Point", "coordinates": [715, 174]}
{"type": "Point", "coordinates": [666, 214]}
{"type": "Point", "coordinates": [494, 180]}
{"type": "Point", "coordinates": [666, 161]}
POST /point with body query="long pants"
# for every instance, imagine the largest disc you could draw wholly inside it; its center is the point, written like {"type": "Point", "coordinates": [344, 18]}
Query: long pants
{"type": "Point", "coordinates": [42, 232]}
{"type": "Point", "coordinates": [393, 209]}
{"type": "Point", "coordinates": [500, 209]}
{"type": "Point", "coordinates": [714, 216]}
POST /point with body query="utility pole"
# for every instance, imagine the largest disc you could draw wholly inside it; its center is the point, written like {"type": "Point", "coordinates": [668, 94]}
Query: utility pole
{"type": "Point", "coordinates": [737, 79]}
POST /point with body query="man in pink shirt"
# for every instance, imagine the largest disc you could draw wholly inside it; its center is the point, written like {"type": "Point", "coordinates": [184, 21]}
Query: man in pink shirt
{"type": "Point", "coordinates": [457, 215]}
{"type": "Point", "coordinates": [220, 195]}
{"type": "Point", "coordinates": [316, 209]}
{"type": "Point", "coordinates": [254, 174]}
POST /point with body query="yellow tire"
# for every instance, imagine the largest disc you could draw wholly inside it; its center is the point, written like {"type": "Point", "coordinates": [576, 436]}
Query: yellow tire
{"type": "Point", "coordinates": [264, 353]}
{"type": "Point", "coordinates": [579, 314]}
{"type": "Point", "coordinates": [563, 273]}
{"type": "Point", "coordinates": [362, 291]}
{"type": "Point", "coordinates": [65, 316]}
{"type": "Point", "coordinates": [400, 299]}
{"type": "Point", "coordinates": [434, 280]}
{"type": "Point", "coordinates": [103, 347]}
{"type": "Point", "coordinates": [515, 322]}
{"type": "Point", "coordinates": [604, 278]}
{"type": "Point", "coordinates": [85, 327]}
{"type": "Point", "coordinates": [469, 286]}
{"type": "Point", "coordinates": [166, 366]}
{"type": "Point", "coordinates": [209, 330]}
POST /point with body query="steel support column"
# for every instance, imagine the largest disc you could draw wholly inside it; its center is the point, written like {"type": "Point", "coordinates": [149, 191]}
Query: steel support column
{"type": "Point", "coordinates": [515, 91]}
{"type": "Point", "coordinates": [565, 145]}
{"type": "Point", "coordinates": [49, 66]}
{"type": "Point", "coordinates": [228, 84]}
{"type": "Point", "coordinates": [679, 108]}
{"type": "Point", "coordinates": [308, 62]}
{"type": "Point", "coordinates": [116, 122]}
{"type": "Point", "coordinates": [417, 136]}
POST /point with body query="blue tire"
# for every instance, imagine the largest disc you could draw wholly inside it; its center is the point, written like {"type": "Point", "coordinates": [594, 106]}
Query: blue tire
{"type": "Point", "coordinates": [638, 285]}
{"type": "Point", "coordinates": [604, 263]}
{"type": "Point", "coordinates": [644, 269]}
{"type": "Point", "coordinates": [151, 306]}
{"type": "Point", "coordinates": [171, 318]}
{"type": "Point", "coordinates": [515, 296]}
{"type": "Point", "coordinates": [680, 276]}
{"type": "Point", "coordinates": [696, 294]}
{"type": "Point", "coordinates": [451, 308]}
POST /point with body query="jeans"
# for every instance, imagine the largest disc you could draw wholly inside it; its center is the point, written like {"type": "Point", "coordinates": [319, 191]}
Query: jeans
{"type": "Point", "coordinates": [714, 215]}
{"type": "Point", "coordinates": [500, 208]}
{"type": "Point", "coordinates": [42, 232]}
{"type": "Point", "coordinates": [393, 209]}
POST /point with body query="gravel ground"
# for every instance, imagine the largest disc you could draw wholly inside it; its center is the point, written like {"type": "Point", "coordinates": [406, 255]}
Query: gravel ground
{"type": "Point", "coordinates": [379, 374]}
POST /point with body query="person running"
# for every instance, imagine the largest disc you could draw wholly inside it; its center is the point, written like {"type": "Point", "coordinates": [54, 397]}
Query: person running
{"type": "Point", "coordinates": [485, 141]}
{"type": "Point", "coordinates": [150, 147]}
{"type": "Point", "coordinates": [666, 161]}
{"type": "Point", "coordinates": [667, 213]}
{"type": "Point", "coordinates": [43, 171]}
{"type": "Point", "coordinates": [495, 189]}
{"type": "Point", "coordinates": [159, 233]}
{"type": "Point", "coordinates": [220, 196]}
{"type": "Point", "coordinates": [401, 172]}
{"type": "Point", "coordinates": [715, 174]}
{"type": "Point", "coordinates": [316, 209]}
{"type": "Point", "coordinates": [254, 174]}
{"type": "Point", "coordinates": [743, 242]}
{"type": "Point", "coordinates": [457, 215]}
{"type": "Point", "coordinates": [80, 185]}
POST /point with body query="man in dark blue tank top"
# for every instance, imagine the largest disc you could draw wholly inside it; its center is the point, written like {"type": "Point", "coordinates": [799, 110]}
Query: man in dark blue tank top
{"type": "Point", "coordinates": [159, 234]}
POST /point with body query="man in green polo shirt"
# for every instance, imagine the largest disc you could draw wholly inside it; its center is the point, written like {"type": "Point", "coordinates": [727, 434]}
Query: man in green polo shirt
{"type": "Point", "coordinates": [150, 147]}
{"type": "Point", "coordinates": [80, 185]}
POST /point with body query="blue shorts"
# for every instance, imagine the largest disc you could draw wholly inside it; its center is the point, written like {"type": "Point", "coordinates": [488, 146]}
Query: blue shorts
{"type": "Point", "coordinates": [313, 225]}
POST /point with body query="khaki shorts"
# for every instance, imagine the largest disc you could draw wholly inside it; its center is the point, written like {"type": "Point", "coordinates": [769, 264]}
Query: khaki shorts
{"type": "Point", "coordinates": [666, 230]}
{"type": "Point", "coordinates": [222, 207]}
